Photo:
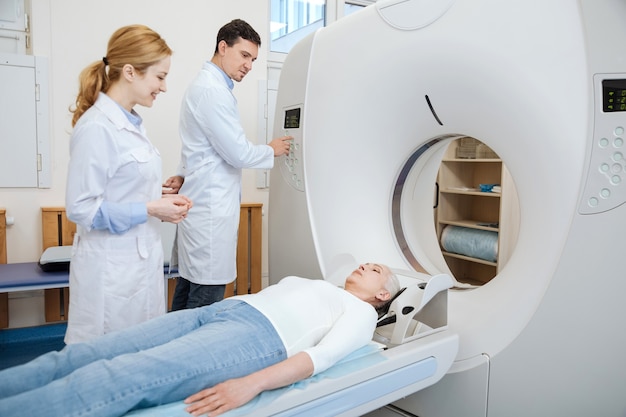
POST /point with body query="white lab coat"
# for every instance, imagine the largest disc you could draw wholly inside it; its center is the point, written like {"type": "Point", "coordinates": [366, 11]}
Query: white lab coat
{"type": "Point", "coordinates": [116, 280]}
{"type": "Point", "coordinates": [214, 151]}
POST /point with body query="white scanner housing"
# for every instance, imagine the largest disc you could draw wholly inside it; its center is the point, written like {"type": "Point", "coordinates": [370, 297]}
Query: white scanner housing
{"type": "Point", "coordinates": [373, 101]}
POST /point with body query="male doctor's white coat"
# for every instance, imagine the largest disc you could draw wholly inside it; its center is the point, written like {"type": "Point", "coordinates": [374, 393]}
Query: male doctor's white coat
{"type": "Point", "coordinates": [214, 151]}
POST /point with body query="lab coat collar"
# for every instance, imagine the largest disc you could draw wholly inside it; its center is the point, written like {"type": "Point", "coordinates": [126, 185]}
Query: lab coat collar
{"type": "Point", "coordinates": [217, 70]}
{"type": "Point", "coordinates": [132, 116]}
{"type": "Point", "coordinates": [114, 113]}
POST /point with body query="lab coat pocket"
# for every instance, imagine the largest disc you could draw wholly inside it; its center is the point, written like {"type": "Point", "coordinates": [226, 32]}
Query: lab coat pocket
{"type": "Point", "coordinates": [126, 288]}
{"type": "Point", "coordinates": [148, 163]}
{"type": "Point", "coordinates": [123, 312]}
{"type": "Point", "coordinates": [125, 272]}
{"type": "Point", "coordinates": [75, 244]}
{"type": "Point", "coordinates": [143, 247]}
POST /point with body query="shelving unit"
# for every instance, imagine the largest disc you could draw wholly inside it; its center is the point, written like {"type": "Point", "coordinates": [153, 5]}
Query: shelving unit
{"type": "Point", "coordinates": [462, 203]}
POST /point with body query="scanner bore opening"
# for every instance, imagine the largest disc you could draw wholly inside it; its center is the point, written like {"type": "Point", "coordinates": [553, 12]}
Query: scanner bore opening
{"type": "Point", "coordinates": [475, 210]}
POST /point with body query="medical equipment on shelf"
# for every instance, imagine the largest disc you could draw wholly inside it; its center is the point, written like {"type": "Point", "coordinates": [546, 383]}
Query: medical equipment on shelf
{"type": "Point", "coordinates": [374, 100]}
{"type": "Point", "coordinates": [477, 243]}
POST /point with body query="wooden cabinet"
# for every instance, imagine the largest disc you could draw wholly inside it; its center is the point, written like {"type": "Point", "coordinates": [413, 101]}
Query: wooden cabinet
{"type": "Point", "coordinates": [468, 164]}
{"type": "Point", "coordinates": [3, 236]}
{"type": "Point", "coordinates": [59, 231]}
{"type": "Point", "coordinates": [4, 297]}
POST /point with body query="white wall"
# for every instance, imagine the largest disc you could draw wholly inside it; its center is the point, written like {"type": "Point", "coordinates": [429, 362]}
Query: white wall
{"type": "Point", "coordinates": [73, 33]}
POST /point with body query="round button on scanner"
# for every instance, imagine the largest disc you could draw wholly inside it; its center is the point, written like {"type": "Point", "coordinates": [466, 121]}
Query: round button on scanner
{"type": "Point", "coordinates": [616, 179]}
{"type": "Point", "coordinates": [619, 131]}
{"type": "Point", "coordinates": [617, 156]}
{"type": "Point", "coordinates": [593, 202]}
{"type": "Point", "coordinates": [618, 142]}
{"type": "Point", "coordinates": [616, 168]}
{"type": "Point", "coordinates": [605, 193]}
{"type": "Point", "coordinates": [604, 167]}
{"type": "Point", "coordinates": [604, 142]}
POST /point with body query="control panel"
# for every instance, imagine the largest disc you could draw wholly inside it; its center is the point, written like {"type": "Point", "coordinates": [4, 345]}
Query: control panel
{"type": "Point", "coordinates": [605, 187]}
{"type": "Point", "coordinates": [291, 165]}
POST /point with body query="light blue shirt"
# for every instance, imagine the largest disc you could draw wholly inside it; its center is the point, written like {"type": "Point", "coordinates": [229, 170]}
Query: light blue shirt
{"type": "Point", "coordinates": [229, 81]}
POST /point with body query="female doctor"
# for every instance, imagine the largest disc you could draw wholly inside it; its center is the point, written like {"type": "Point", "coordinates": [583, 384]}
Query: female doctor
{"type": "Point", "coordinates": [114, 190]}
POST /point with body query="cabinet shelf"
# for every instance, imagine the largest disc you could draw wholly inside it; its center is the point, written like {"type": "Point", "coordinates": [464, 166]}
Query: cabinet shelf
{"type": "Point", "coordinates": [471, 160]}
{"type": "Point", "coordinates": [462, 203]}
{"type": "Point", "coordinates": [473, 191]}
{"type": "Point", "coordinates": [472, 224]}
{"type": "Point", "coordinates": [469, 258]}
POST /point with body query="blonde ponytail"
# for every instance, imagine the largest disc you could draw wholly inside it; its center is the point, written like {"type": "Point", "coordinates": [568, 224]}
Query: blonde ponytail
{"type": "Point", "coordinates": [137, 45]}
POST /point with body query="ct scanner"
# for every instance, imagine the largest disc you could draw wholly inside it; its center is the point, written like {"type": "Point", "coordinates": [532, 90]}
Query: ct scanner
{"type": "Point", "coordinates": [372, 102]}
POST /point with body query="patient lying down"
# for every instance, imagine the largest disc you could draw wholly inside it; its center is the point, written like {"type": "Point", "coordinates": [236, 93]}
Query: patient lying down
{"type": "Point", "coordinates": [217, 357]}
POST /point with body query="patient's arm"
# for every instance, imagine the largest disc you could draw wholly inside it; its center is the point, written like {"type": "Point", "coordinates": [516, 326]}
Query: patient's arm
{"type": "Point", "coordinates": [236, 392]}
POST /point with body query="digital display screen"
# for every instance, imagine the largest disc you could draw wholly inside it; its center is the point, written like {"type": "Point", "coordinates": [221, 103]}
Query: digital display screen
{"type": "Point", "coordinates": [292, 119]}
{"type": "Point", "coordinates": [613, 95]}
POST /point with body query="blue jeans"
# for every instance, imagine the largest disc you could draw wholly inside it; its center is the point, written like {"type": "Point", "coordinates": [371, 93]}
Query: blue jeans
{"type": "Point", "coordinates": [160, 361]}
{"type": "Point", "coordinates": [190, 295]}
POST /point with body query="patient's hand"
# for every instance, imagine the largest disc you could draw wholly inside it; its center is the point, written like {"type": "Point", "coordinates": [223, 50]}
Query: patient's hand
{"type": "Point", "coordinates": [236, 392]}
{"type": "Point", "coordinates": [222, 397]}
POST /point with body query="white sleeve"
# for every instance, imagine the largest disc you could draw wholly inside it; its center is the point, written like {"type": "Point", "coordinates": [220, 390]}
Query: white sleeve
{"type": "Point", "coordinates": [92, 160]}
{"type": "Point", "coordinates": [227, 135]}
{"type": "Point", "coordinates": [353, 330]}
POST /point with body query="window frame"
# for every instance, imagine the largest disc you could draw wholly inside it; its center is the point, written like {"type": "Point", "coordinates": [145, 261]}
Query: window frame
{"type": "Point", "coordinates": [334, 11]}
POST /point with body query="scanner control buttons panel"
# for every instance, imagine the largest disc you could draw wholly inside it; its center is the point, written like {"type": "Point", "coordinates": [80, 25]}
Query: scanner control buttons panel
{"type": "Point", "coordinates": [291, 165]}
{"type": "Point", "coordinates": [604, 188]}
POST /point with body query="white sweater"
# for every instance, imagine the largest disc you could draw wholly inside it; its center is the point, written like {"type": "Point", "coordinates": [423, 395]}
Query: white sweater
{"type": "Point", "coordinates": [316, 317]}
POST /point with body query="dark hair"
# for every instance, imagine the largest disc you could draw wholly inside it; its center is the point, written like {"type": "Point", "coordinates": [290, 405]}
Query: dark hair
{"type": "Point", "coordinates": [235, 29]}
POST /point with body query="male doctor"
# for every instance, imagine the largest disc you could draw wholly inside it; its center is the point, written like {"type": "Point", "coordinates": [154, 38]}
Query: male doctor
{"type": "Point", "coordinates": [214, 151]}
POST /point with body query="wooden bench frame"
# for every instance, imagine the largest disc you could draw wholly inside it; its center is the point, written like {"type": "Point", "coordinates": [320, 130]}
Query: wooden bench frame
{"type": "Point", "coordinates": [58, 231]}
{"type": "Point", "coordinates": [4, 297]}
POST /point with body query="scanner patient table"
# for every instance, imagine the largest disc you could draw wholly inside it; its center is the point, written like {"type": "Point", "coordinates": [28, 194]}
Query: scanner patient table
{"type": "Point", "coordinates": [367, 379]}
{"type": "Point", "coordinates": [371, 377]}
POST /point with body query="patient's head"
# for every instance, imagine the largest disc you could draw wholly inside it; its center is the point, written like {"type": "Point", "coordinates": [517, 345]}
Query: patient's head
{"type": "Point", "coordinates": [374, 283]}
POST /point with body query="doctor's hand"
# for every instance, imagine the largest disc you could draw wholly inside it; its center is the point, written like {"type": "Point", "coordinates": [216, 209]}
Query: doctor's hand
{"type": "Point", "coordinates": [222, 397]}
{"type": "Point", "coordinates": [172, 184]}
{"type": "Point", "coordinates": [170, 208]}
{"type": "Point", "coordinates": [179, 199]}
{"type": "Point", "coordinates": [281, 145]}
